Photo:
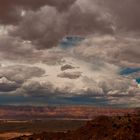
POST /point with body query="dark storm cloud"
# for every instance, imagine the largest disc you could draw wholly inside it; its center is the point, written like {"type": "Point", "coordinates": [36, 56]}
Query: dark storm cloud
{"type": "Point", "coordinates": [66, 67]}
{"type": "Point", "coordinates": [82, 21]}
{"type": "Point", "coordinates": [47, 26]}
{"type": "Point", "coordinates": [126, 13]}
{"type": "Point", "coordinates": [15, 49]}
{"type": "Point", "coordinates": [43, 27]}
{"type": "Point", "coordinates": [10, 11]}
{"type": "Point", "coordinates": [46, 22]}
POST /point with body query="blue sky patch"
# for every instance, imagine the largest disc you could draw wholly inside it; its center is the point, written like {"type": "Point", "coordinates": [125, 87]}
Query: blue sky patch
{"type": "Point", "coordinates": [70, 41]}
{"type": "Point", "coordinates": [127, 71]}
{"type": "Point", "coordinates": [138, 80]}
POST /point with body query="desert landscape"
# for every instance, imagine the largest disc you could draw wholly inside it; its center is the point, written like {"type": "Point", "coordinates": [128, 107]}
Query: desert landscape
{"type": "Point", "coordinates": [101, 128]}
{"type": "Point", "coordinates": [66, 123]}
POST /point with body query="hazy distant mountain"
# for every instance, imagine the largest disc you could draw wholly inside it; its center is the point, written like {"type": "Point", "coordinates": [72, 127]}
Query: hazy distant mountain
{"type": "Point", "coordinates": [59, 112]}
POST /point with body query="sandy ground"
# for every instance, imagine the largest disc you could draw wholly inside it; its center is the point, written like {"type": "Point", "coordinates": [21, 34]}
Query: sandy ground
{"type": "Point", "coordinates": [9, 135]}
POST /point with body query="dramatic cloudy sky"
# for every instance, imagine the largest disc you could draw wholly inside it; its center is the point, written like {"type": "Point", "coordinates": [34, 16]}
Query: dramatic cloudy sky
{"type": "Point", "coordinates": [70, 52]}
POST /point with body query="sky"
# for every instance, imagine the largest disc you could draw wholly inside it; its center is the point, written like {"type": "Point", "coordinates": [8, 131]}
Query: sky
{"type": "Point", "coordinates": [70, 52]}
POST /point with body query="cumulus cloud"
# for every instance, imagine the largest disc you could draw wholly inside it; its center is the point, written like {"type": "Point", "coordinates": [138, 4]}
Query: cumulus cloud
{"type": "Point", "coordinates": [20, 73]}
{"type": "Point", "coordinates": [13, 77]}
{"type": "Point", "coordinates": [72, 75]}
{"type": "Point", "coordinates": [120, 50]}
{"type": "Point", "coordinates": [7, 85]}
{"type": "Point", "coordinates": [125, 13]}
{"type": "Point", "coordinates": [66, 67]}
{"type": "Point", "coordinates": [11, 11]}
{"type": "Point", "coordinates": [45, 29]}
{"type": "Point", "coordinates": [47, 26]}
{"type": "Point", "coordinates": [34, 64]}
{"type": "Point", "coordinates": [86, 86]}
{"type": "Point", "coordinates": [16, 49]}
{"type": "Point", "coordinates": [36, 88]}
{"type": "Point", "coordinates": [90, 69]}
{"type": "Point", "coordinates": [92, 81]}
